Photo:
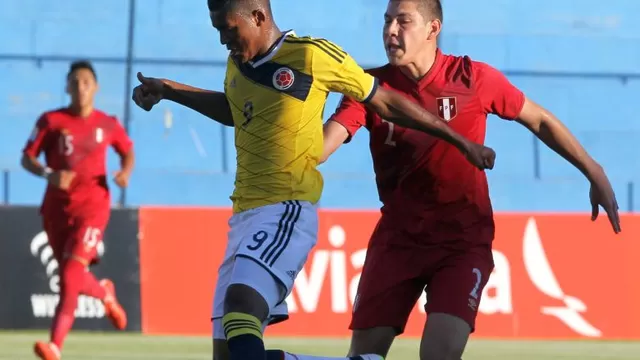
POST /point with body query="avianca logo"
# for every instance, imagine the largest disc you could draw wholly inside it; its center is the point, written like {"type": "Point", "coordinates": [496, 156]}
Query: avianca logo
{"type": "Point", "coordinates": [333, 275]}
{"type": "Point", "coordinates": [542, 276]}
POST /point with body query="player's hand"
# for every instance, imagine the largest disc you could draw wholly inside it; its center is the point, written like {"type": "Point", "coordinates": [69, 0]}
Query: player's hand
{"type": "Point", "coordinates": [62, 179]}
{"type": "Point", "coordinates": [480, 156]}
{"type": "Point", "coordinates": [148, 93]}
{"type": "Point", "coordinates": [121, 178]}
{"type": "Point", "coordinates": [601, 194]}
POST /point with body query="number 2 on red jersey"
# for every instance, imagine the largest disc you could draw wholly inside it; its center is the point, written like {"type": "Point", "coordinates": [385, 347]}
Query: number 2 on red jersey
{"type": "Point", "coordinates": [389, 139]}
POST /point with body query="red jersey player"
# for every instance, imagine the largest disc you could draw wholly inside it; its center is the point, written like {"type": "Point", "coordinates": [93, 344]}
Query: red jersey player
{"type": "Point", "coordinates": [436, 227]}
{"type": "Point", "coordinates": [76, 205]}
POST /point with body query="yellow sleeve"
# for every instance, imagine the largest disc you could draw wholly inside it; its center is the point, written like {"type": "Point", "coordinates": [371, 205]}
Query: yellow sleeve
{"type": "Point", "coordinates": [336, 71]}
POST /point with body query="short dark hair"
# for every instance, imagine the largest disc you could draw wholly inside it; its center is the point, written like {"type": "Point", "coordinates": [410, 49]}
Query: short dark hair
{"type": "Point", "coordinates": [81, 64]}
{"type": "Point", "coordinates": [430, 9]}
{"type": "Point", "coordinates": [218, 5]}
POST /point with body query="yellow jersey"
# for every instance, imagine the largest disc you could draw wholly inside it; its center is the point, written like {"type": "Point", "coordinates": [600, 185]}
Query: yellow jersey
{"type": "Point", "coordinates": [277, 102]}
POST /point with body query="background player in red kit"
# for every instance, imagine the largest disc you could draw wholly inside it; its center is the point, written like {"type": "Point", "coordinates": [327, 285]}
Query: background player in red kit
{"type": "Point", "coordinates": [76, 205]}
{"type": "Point", "coordinates": [437, 224]}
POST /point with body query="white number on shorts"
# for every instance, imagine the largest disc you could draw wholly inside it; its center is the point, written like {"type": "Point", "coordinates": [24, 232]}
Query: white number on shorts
{"type": "Point", "coordinates": [389, 140]}
{"type": "Point", "coordinates": [66, 145]}
{"type": "Point", "coordinates": [476, 287]}
{"type": "Point", "coordinates": [91, 237]}
{"type": "Point", "coordinates": [259, 238]}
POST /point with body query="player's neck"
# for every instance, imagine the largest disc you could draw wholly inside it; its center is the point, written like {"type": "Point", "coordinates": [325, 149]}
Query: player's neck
{"type": "Point", "coordinates": [272, 36]}
{"type": "Point", "coordinates": [81, 111]}
{"type": "Point", "coordinates": [420, 67]}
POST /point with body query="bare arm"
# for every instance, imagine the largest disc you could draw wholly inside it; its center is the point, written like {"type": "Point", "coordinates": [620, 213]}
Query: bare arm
{"type": "Point", "coordinates": [394, 107]}
{"type": "Point", "coordinates": [127, 161]}
{"type": "Point", "coordinates": [352, 81]}
{"type": "Point", "coordinates": [33, 166]}
{"type": "Point", "coordinates": [557, 137]}
{"type": "Point", "coordinates": [334, 135]}
{"type": "Point", "coordinates": [212, 104]}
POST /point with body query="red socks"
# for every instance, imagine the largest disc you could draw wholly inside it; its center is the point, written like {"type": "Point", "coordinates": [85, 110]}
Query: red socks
{"type": "Point", "coordinates": [71, 282]}
{"type": "Point", "coordinates": [92, 286]}
{"type": "Point", "coordinates": [74, 280]}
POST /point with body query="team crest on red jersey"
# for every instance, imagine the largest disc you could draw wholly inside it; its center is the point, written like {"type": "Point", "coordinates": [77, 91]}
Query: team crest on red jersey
{"type": "Point", "coordinates": [99, 135]}
{"type": "Point", "coordinates": [447, 108]}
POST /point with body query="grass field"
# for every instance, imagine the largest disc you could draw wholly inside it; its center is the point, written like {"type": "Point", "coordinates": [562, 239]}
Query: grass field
{"type": "Point", "coordinates": [82, 346]}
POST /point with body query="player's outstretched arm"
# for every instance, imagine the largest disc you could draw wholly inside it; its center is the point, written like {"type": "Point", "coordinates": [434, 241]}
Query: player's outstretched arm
{"type": "Point", "coordinates": [394, 107]}
{"type": "Point", "coordinates": [212, 104]}
{"type": "Point", "coordinates": [557, 137]}
{"type": "Point", "coordinates": [338, 72]}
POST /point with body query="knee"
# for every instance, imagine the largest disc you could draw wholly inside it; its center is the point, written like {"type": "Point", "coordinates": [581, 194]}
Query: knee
{"type": "Point", "coordinates": [244, 299]}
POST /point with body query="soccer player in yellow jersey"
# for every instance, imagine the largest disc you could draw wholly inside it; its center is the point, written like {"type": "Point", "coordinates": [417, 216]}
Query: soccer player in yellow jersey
{"type": "Point", "coordinates": [274, 95]}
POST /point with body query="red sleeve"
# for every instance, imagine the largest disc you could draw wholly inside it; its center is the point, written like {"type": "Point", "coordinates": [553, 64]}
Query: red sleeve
{"type": "Point", "coordinates": [351, 114]}
{"type": "Point", "coordinates": [38, 138]}
{"type": "Point", "coordinates": [497, 94]}
{"type": "Point", "coordinates": [119, 139]}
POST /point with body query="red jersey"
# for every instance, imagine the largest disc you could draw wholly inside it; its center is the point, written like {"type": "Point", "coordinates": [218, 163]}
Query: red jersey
{"type": "Point", "coordinates": [70, 142]}
{"type": "Point", "coordinates": [425, 184]}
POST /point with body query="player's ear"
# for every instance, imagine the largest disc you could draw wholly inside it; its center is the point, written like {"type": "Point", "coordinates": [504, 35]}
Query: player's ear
{"type": "Point", "coordinates": [67, 88]}
{"type": "Point", "coordinates": [259, 17]}
{"type": "Point", "coordinates": [434, 26]}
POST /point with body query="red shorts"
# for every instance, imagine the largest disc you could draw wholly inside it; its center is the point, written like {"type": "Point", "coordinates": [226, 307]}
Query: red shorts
{"type": "Point", "coordinates": [75, 236]}
{"type": "Point", "coordinates": [394, 277]}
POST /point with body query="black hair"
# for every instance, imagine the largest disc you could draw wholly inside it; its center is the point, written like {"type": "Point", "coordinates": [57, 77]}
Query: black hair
{"type": "Point", "coordinates": [81, 64]}
{"type": "Point", "coordinates": [218, 5]}
{"type": "Point", "coordinates": [431, 9]}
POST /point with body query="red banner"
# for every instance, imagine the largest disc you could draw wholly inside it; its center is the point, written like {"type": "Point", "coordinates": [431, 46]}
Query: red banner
{"type": "Point", "coordinates": [556, 276]}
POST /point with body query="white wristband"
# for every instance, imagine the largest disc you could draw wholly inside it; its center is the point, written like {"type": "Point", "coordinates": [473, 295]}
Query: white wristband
{"type": "Point", "coordinates": [46, 172]}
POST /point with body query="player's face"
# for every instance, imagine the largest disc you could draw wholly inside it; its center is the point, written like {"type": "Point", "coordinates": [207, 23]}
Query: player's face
{"type": "Point", "coordinates": [82, 87]}
{"type": "Point", "coordinates": [405, 32]}
{"type": "Point", "coordinates": [238, 32]}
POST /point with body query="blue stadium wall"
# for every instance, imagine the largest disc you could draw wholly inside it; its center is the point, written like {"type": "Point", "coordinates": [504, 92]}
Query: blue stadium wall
{"type": "Point", "coordinates": [580, 58]}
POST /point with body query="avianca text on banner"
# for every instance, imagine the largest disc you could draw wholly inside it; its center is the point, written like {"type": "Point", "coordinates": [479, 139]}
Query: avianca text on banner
{"type": "Point", "coordinates": [555, 276]}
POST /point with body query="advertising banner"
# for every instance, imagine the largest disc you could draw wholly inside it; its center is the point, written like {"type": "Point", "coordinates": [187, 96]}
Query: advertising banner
{"type": "Point", "coordinates": [30, 280]}
{"type": "Point", "coordinates": [556, 276]}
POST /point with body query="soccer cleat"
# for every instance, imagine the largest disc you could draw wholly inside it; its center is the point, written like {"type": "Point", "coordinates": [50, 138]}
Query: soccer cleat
{"type": "Point", "coordinates": [46, 351]}
{"type": "Point", "coordinates": [112, 307]}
